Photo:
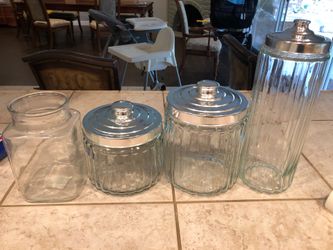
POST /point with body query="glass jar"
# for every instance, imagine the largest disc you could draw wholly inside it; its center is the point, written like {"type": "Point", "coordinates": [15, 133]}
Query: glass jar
{"type": "Point", "coordinates": [288, 78]}
{"type": "Point", "coordinates": [45, 149]}
{"type": "Point", "coordinates": [203, 137]}
{"type": "Point", "coordinates": [123, 145]}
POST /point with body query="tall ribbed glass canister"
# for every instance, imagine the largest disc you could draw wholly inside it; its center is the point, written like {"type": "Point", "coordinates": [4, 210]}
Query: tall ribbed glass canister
{"type": "Point", "coordinates": [288, 79]}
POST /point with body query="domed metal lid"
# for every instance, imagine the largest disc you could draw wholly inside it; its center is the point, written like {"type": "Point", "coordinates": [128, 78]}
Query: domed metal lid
{"type": "Point", "coordinates": [207, 104]}
{"type": "Point", "coordinates": [299, 39]}
{"type": "Point", "coordinates": [122, 124]}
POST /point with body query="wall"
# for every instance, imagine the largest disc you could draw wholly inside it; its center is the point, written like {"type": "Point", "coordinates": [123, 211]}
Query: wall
{"type": "Point", "coordinates": [161, 9]}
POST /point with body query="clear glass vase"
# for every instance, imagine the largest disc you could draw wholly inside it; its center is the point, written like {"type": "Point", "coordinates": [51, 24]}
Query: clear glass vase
{"type": "Point", "coordinates": [45, 149]}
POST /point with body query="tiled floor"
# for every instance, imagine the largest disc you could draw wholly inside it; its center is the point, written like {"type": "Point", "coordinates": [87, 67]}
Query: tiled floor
{"type": "Point", "coordinates": [164, 218]}
{"type": "Point", "coordinates": [255, 225]}
{"type": "Point", "coordinates": [137, 226]}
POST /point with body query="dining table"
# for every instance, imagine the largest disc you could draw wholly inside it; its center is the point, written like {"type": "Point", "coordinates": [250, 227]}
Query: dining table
{"type": "Point", "coordinates": [164, 217]}
{"type": "Point", "coordinates": [140, 8]}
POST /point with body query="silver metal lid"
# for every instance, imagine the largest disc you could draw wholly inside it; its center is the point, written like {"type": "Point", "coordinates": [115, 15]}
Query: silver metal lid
{"type": "Point", "coordinates": [207, 104]}
{"type": "Point", "coordinates": [298, 39]}
{"type": "Point", "coordinates": [122, 124]}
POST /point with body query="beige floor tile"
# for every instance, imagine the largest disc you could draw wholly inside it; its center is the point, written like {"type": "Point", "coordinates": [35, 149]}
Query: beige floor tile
{"type": "Point", "coordinates": [88, 227]}
{"type": "Point", "coordinates": [256, 225]}
{"type": "Point", "coordinates": [307, 184]}
{"type": "Point", "coordinates": [6, 96]}
{"type": "Point", "coordinates": [6, 177]}
{"type": "Point", "coordinates": [161, 192]}
{"type": "Point", "coordinates": [318, 148]}
{"type": "Point", "coordinates": [2, 127]}
{"type": "Point", "coordinates": [323, 109]}
{"type": "Point", "coordinates": [84, 101]}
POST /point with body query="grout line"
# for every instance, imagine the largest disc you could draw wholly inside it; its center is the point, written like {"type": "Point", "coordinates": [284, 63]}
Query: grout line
{"type": "Point", "coordinates": [70, 97]}
{"type": "Point", "coordinates": [324, 120]}
{"type": "Point", "coordinates": [7, 193]}
{"type": "Point", "coordinates": [317, 171]}
{"type": "Point", "coordinates": [151, 203]}
{"type": "Point", "coordinates": [252, 200]}
{"type": "Point", "coordinates": [89, 204]}
{"type": "Point", "coordinates": [179, 242]}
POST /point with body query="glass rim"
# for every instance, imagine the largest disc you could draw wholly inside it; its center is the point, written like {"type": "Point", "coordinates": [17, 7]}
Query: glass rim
{"type": "Point", "coordinates": [57, 108]}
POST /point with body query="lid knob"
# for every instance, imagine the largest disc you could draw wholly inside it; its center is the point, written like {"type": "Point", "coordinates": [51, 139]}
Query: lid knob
{"type": "Point", "coordinates": [207, 89]}
{"type": "Point", "coordinates": [302, 29]}
{"type": "Point", "coordinates": [122, 111]}
{"type": "Point", "coordinates": [302, 25]}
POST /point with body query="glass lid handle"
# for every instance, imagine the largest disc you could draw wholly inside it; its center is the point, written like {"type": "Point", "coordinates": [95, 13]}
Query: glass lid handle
{"type": "Point", "coordinates": [207, 89]}
{"type": "Point", "coordinates": [122, 111]}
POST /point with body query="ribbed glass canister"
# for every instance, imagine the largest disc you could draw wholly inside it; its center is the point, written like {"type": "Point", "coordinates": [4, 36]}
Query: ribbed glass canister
{"type": "Point", "coordinates": [288, 78]}
{"type": "Point", "coordinates": [203, 137]}
{"type": "Point", "coordinates": [123, 146]}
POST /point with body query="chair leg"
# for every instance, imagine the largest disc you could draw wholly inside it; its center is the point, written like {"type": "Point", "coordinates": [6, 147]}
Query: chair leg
{"type": "Point", "coordinates": [178, 77]}
{"type": "Point", "coordinates": [146, 81]}
{"type": "Point", "coordinates": [105, 50]}
{"type": "Point", "coordinates": [124, 74]}
{"type": "Point", "coordinates": [216, 64]}
{"type": "Point", "coordinates": [92, 34]}
{"type": "Point", "coordinates": [98, 40]}
{"type": "Point", "coordinates": [156, 81]}
{"type": "Point", "coordinates": [79, 22]}
{"type": "Point", "coordinates": [34, 37]}
{"type": "Point", "coordinates": [51, 42]}
{"type": "Point", "coordinates": [152, 76]}
{"type": "Point", "coordinates": [28, 24]}
{"type": "Point", "coordinates": [18, 27]}
{"type": "Point", "coordinates": [72, 31]}
{"type": "Point", "coordinates": [182, 65]}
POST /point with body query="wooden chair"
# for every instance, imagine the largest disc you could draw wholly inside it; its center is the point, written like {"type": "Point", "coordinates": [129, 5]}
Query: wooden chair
{"type": "Point", "coordinates": [70, 16]}
{"type": "Point", "coordinates": [198, 40]}
{"type": "Point", "coordinates": [242, 64]}
{"type": "Point", "coordinates": [61, 69]}
{"type": "Point", "coordinates": [22, 22]}
{"type": "Point", "coordinates": [41, 21]}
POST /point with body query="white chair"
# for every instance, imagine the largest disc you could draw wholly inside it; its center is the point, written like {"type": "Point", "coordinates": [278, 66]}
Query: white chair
{"type": "Point", "coordinates": [150, 57]}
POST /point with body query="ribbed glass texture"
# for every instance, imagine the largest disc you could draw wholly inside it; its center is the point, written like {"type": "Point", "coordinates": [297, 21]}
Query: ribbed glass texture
{"type": "Point", "coordinates": [286, 87]}
{"type": "Point", "coordinates": [124, 171]}
{"type": "Point", "coordinates": [45, 149]}
{"type": "Point", "coordinates": [202, 160]}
